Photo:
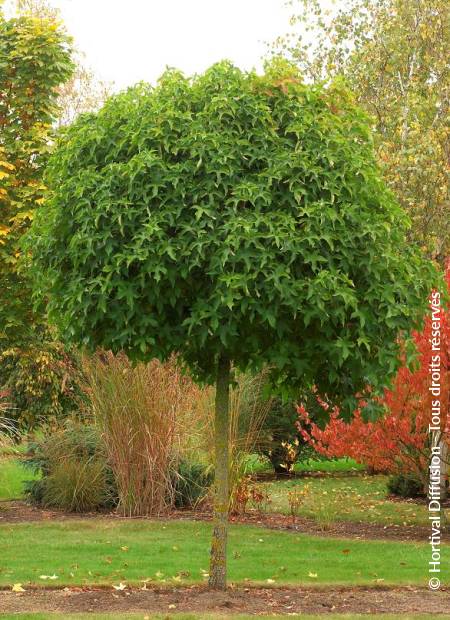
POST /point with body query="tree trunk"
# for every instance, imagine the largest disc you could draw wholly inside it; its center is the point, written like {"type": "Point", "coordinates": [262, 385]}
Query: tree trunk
{"type": "Point", "coordinates": [218, 564]}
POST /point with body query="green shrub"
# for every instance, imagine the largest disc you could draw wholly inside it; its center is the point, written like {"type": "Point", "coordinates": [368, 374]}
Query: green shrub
{"type": "Point", "coordinates": [41, 383]}
{"type": "Point", "coordinates": [191, 484]}
{"type": "Point", "coordinates": [405, 485]}
{"type": "Point", "coordinates": [75, 475]}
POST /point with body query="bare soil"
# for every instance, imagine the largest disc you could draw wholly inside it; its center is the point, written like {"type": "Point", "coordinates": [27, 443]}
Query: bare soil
{"type": "Point", "coordinates": [233, 601]}
{"type": "Point", "coordinates": [20, 512]}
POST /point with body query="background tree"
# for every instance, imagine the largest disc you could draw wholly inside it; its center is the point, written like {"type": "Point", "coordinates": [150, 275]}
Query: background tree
{"type": "Point", "coordinates": [83, 91]}
{"type": "Point", "coordinates": [234, 219]}
{"type": "Point", "coordinates": [394, 56]}
{"type": "Point", "coordinates": [34, 367]}
{"type": "Point", "coordinates": [34, 61]}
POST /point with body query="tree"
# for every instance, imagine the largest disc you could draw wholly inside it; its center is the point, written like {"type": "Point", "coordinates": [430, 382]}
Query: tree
{"type": "Point", "coordinates": [37, 80]}
{"type": "Point", "coordinates": [400, 442]}
{"type": "Point", "coordinates": [40, 9]}
{"type": "Point", "coordinates": [34, 61]}
{"type": "Point", "coordinates": [234, 219]}
{"type": "Point", "coordinates": [83, 91]}
{"type": "Point", "coordinates": [394, 56]}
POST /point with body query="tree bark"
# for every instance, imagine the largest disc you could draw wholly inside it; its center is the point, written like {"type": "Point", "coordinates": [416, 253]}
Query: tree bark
{"type": "Point", "coordinates": [218, 563]}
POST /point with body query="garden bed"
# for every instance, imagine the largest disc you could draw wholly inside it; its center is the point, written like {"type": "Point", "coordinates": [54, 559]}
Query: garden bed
{"type": "Point", "coordinates": [240, 600]}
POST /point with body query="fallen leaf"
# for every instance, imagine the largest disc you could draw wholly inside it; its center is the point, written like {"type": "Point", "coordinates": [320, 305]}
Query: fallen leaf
{"type": "Point", "coordinates": [121, 586]}
{"type": "Point", "coordinates": [312, 575]}
{"type": "Point", "coordinates": [17, 587]}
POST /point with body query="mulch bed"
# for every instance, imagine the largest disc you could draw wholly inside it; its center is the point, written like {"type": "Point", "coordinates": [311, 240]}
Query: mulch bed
{"type": "Point", "coordinates": [234, 601]}
{"type": "Point", "coordinates": [20, 512]}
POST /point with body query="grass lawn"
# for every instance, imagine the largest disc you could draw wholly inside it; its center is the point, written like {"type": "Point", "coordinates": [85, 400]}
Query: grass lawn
{"type": "Point", "coordinates": [107, 551]}
{"type": "Point", "coordinates": [347, 498]}
{"type": "Point", "coordinates": [339, 465]}
{"type": "Point", "coordinates": [340, 497]}
{"type": "Point", "coordinates": [332, 498]}
{"type": "Point", "coordinates": [12, 475]}
{"type": "Point", "coordinates": [256, 464]}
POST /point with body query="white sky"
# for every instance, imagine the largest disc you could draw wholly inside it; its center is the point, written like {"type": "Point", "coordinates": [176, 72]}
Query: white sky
{"type": "Point", "coordinates": [130, 40]}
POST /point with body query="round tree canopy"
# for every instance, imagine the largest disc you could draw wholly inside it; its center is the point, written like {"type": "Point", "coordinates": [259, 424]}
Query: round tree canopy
{"type": "Point", "coordinates": [234, 214]}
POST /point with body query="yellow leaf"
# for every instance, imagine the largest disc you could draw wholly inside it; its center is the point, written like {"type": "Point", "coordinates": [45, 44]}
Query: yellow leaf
{"type": "Point", "coordinates": [23, 215]}
{"type": "Point", "coordinates": [7, 165]}
{"type": "Point", "coordinates": [17, 587]}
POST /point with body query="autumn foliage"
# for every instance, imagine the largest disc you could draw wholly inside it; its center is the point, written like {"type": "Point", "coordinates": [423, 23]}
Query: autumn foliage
{"type": "Point", "coordinates": [399, 442]}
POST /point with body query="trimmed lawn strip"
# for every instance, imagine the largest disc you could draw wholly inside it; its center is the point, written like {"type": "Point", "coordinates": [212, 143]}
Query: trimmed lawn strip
{"type": "Point", "coordinates": [105, 551]}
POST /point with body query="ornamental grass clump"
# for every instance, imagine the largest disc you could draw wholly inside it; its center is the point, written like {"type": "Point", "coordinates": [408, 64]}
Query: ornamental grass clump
{"type": "Point", "coordinates": [8, 429]}
{"type": "Point", "coordinates": [140, 410]}
{"type": "Point", "coordinates": [73, 472]}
